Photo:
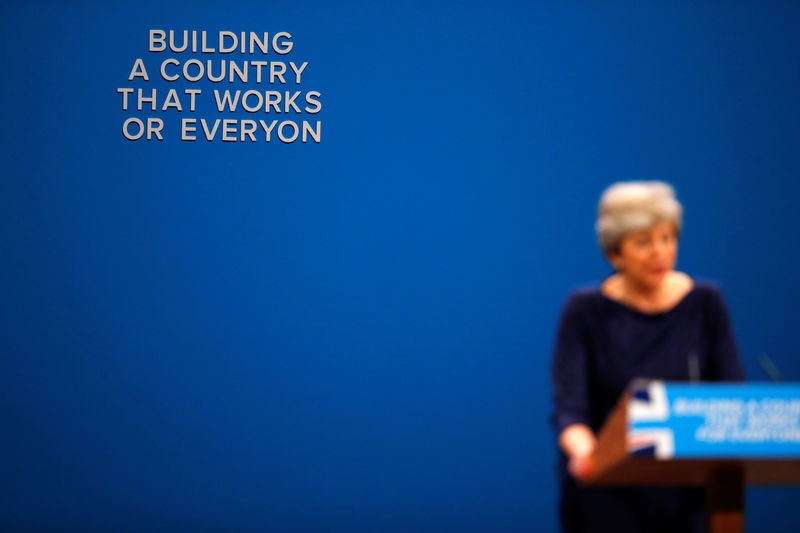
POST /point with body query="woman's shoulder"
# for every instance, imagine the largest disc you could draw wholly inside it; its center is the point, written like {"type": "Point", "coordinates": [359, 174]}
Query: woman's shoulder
{"type": "Point", "coordinates": [579, 308]}
{"type": "Point", "coordinates": [582, 299]}
{"type": "Point", "coordinates": [584, 294]}
{"type": "Point", "coordinates": [707, 290]}
{"type": "Point", "coordinates": [709, 294]}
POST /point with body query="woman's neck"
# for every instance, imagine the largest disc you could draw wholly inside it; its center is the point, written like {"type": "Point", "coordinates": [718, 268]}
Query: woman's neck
{"type": "Point", "coordinates": [648, 299]}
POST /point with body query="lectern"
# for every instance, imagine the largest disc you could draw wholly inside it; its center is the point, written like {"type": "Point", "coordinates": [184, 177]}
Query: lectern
{"type": "Point", "coordinates": [721, 436]}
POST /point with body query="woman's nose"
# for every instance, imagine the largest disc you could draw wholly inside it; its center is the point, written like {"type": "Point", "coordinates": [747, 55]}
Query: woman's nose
{"type": "Point", "coordinates": [661, 249]}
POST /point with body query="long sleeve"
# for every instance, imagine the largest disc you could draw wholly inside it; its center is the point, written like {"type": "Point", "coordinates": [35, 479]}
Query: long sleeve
{"type": "Point", "coordinates": [570, 369]}
{"type": "Point", "coordinates": [724, 363]}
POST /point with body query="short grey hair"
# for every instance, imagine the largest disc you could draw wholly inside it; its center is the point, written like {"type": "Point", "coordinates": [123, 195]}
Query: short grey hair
{"type": "Point", "coordinates": [634, 205]}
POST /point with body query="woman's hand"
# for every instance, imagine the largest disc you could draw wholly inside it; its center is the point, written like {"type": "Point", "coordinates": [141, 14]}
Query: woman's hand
{"type": "Point", "coordinates": [581, 467]}
{"type": "Point", "coordinates": [578, 443]}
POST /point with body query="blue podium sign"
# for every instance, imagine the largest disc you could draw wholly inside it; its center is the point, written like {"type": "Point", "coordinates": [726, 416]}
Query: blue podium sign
{"type": "Point", "coordinates": [680, 420]}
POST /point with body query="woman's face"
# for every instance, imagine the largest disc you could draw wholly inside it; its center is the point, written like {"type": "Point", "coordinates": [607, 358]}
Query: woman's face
{"type": "Point", "coordinates": [646, 256]}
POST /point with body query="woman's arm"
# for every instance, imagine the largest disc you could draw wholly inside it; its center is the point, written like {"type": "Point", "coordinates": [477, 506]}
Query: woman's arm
{"type": "Point", "coordinates": [571, 402]}
{"type": "Point", "coordinates": [725, 364]}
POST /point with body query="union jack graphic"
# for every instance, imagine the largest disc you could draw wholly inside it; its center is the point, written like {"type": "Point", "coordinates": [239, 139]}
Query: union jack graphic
{"type": "Point", "coordinates": [648, 403]}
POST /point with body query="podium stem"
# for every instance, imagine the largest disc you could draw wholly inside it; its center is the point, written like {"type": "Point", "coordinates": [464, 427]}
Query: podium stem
{"type": "Point", "coordinates": [725, 499]}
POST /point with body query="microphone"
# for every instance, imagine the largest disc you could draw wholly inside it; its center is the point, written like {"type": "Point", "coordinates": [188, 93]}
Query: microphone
{"type": "Point", "coordinates": [769, 367]}
{"type": "Point", "coordinates": [694, 367]}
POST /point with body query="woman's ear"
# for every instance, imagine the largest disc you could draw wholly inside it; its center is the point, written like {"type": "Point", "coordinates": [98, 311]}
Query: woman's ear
{"type": "Point", "coordinates": [616, 261]}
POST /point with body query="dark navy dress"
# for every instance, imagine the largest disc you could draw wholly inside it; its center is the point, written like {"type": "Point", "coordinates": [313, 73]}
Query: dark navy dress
{"type": "Point", "coordinates": [601, 346]}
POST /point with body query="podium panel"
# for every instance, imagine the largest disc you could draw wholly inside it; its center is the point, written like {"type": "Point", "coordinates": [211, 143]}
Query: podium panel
{"type": "Point", "coordinates": [677, 433]}
{"type": "Point", "coordinates": [721, 436]}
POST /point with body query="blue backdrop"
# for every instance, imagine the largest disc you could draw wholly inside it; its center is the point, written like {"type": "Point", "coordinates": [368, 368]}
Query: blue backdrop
{"type": "Point", "coordinates": [354, 335]}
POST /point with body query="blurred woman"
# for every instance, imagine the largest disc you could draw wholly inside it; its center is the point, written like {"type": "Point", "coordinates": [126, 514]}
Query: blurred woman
{"type": "Point", "coordinates": [644, 321]}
